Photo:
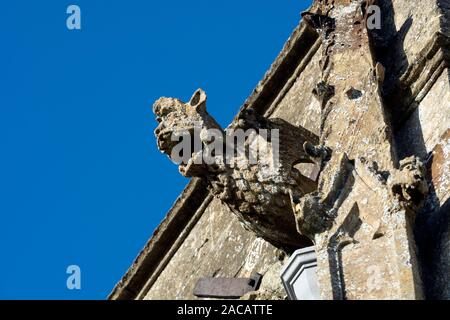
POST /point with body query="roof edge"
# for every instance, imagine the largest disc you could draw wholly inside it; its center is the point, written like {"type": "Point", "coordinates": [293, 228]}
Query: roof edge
{"type": "Point", "coordinates": [161, 241]}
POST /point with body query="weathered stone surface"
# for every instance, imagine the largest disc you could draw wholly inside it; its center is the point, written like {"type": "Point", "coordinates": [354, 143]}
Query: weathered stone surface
{"type": "Point", "coordinates": [271, 287]}
{"type": "Point", "coordinates": [363, 213]}
{"type": "Point", "coordinates": [218, 246]}
{"type": "Point", "coordinates": [420, 134]}
{"type": "Point", "coordinates": [347, 64]}
{"type": "Point", "coordinates": [440, 168]}
{"type": "Point", "coordinates": [417, 23]}
{"type": "Point", "coordinates": [440, 175]}
{"type": "Point", "coordinates": [362, 223]}
{"type": "Point", "coordinates": [433, 231]}
{"type": "Point", "coordinates": [258, 191]}
{"type": "Point", "coordinates": [226, 288]}
{"type": "Point", "coordinates": [298, 106]}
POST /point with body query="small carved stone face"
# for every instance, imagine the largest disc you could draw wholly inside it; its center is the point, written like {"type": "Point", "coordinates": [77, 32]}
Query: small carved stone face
{"type": "Point", "coordinates": [410, 184]}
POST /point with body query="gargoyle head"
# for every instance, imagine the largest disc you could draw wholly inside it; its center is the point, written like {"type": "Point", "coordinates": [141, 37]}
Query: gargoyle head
{"type": "Point", "coordinates": [409, 183]}
{"type": "Point", "coordinates": [178, 121]}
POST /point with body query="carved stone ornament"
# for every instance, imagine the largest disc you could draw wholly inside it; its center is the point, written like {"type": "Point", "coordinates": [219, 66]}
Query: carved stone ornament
{"type": "Point", "coordinates": [259, 192]}
{"type": "Point", "coordinates": [361, 219]}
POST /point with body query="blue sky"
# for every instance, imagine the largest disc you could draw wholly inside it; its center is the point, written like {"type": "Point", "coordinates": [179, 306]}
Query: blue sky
{"type": "Point", "coordinates": [81, 179]}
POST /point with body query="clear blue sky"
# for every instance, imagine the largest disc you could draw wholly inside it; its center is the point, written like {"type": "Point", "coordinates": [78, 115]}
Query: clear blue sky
{"type": "Point", "coordinates": [81, 179]}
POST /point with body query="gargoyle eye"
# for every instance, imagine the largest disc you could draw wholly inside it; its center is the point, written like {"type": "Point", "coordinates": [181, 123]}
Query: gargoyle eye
{"type": "Point", "coordinates": [164, 111]}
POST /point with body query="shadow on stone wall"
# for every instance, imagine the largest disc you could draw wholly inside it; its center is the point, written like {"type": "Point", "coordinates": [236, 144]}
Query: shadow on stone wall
{"type": "Point", "coordinates": [433, 226]}
{"type": "Point", "coordinates": [432, 221]}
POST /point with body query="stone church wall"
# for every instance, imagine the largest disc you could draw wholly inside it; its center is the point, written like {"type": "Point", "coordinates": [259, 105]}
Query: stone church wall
{"type": "Point", "coordinates": [219, 246]}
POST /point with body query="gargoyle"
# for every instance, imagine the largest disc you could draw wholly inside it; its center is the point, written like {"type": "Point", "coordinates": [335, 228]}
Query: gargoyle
{"type": "Point", "coordinates": [408, 183]}
{"type": "Point", "coordinates": [249, 166]}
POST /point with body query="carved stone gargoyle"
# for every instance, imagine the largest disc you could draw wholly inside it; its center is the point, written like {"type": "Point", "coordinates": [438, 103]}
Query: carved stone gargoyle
{"type": "Point", "coordinates": [254, 176]}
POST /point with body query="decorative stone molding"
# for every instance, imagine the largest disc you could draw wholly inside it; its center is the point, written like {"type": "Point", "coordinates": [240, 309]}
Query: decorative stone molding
{"type": "Point", "coordinates": [362, 214]}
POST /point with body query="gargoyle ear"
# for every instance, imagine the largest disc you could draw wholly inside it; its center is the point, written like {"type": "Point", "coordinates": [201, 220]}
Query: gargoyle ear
{"type": "Point", "coordinates": [198, 100]}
